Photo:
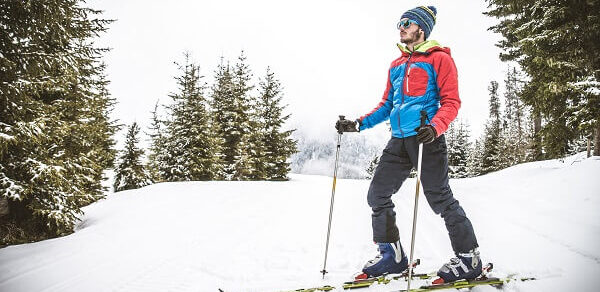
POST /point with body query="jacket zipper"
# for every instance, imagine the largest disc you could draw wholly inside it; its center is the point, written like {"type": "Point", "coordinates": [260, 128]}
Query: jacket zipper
{"type": "Point", "coordinates": [407, 76]}
{"type": "Point", "coordinates": [405, 80]}
{"type": "Point", "coordinates": [401, 103]}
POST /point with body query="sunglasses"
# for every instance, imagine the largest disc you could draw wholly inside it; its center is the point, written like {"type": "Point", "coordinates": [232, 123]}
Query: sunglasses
{"type": "Point", "coordinates": [406, 23]}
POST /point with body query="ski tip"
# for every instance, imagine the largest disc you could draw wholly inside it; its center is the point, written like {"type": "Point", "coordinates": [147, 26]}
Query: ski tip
{"type": "Point", "coordinates": [361, 276]}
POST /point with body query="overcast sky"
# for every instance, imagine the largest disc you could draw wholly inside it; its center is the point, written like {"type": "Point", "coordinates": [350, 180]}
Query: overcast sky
{"type": "Point", "coordinates": [331, 56]}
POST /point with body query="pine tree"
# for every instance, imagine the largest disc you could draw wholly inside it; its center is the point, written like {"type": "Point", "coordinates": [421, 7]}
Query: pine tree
{"type": "Point", "coordinates": [492, 159]}
{"type": "Point", "coordinates": [250, 147]}
{"type": "Point", "coordinates": [475, 161]}
{"type": "Point", "coordinates": [157, 147]}
{"type": "Point", "coordinates": [555, 43]}
{"type": "Point", "coordinates": [459, 147]}
{"type": "Point", "coordinates": [516, 130]}
{"type": "Point", "coordinates": [221, 99]}
{"type": "Point", "coordinates": [131, 173]}
{"type": "Point", "coordinates": [255, 153]}
{"type": "Point", "coordinates": [278, 144]}
{"type": "Point", "coordinates": [231, 106]}
{"type": "Point", "coordinates": [514, 110]}
{"type": "Point", "coordinates": [56, 134]}
{"type": "Point", "coordinates": [191, 143]}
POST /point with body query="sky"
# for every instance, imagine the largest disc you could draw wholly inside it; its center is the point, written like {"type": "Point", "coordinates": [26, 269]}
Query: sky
{"type": "Point", "coordinates": [331, 56]}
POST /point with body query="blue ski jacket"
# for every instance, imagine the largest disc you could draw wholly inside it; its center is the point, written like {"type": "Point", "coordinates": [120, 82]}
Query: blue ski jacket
{"type": "Point", "coordinates": [425, 79]}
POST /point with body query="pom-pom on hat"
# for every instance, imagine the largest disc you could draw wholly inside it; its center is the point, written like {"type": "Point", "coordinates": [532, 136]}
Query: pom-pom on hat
{"type": "Point", "coordinates": [424, 16]}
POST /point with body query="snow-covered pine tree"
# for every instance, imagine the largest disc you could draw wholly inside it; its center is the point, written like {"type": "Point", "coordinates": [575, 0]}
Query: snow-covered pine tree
{"type": "Point", "coordinates": [474, 160]}
{"type": "Point", "coordinates": [100, 128]}
{"type": "Point", "coordinates": [459, 147]}
{"type": "Point", "coordinates": [55, 140]}
{"type": "Point", "coordinates": [255, 153]}
{"type": "Point", "coordinates": [256, 150]}
{"type": "Point", "coordinates": [278, 144]}
{"type": "Point", "coordinates": [492, 158]}
{"type": "Point", "coordinates": [157, 146]}
{"type": "Point", "coordinates": [231, 108]}
{"type": "Point", "coordinates": [224, 116]}
{"type": "Point", "coordinates": [131, 173]}
{"type": "Point", "coordinates": [517, 130]}
{"type": "Point", "coordinates": [250, 148]}
{"type": "Point", "coordinates": [450, 136]}
{"type": "Point", "coordinates": [586, 109]}
{"type": "Point", "coordinates": [556, 45]}
{"type": "Point", "coordinates": [192, 145]}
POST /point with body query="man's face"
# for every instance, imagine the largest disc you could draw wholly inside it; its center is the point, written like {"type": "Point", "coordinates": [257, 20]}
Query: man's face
{"type": "Point", "coordinates": [409, 32]}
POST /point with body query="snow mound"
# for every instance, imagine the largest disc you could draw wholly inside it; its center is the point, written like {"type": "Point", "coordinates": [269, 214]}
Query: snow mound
{"type": "Point", "coordinates": [537, 219]}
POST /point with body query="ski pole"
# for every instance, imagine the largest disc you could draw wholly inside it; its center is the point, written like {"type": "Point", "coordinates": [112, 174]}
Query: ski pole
{"type": "Point", "coordinates": [414, 226]}
{"type": "Point", "coordinates": [337, 156]}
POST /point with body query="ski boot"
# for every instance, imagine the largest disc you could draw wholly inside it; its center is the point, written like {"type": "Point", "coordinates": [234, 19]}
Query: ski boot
{"type": "Point", "coordinates": [464, 266]}
{"type": "Point", "coordinates": [390, 260]}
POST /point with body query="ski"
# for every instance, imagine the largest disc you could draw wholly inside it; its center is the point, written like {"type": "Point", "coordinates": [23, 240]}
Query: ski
{"type": "Point", "coordinates": [482, 280]}
{"type": "Point", "coordinates": [364, 283]}
{"type": "Point", "coordinates": [384, 279]}
{"type": "Point", "coordinates": [315, 289]}
{"type": "Point", "coordinates": [492, 281]}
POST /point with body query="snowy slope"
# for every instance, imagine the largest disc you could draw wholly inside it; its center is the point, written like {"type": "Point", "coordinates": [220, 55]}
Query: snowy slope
{"type": "Point", "coordinates": [539, 219]}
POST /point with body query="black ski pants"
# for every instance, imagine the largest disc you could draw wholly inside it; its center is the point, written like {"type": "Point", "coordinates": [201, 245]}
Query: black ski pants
{"type": "Point", "coordinates": [398, 158]}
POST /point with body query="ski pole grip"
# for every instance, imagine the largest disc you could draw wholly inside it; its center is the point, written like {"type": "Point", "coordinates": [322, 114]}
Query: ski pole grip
{"type": "Point", "coordinates": [340, 130]}
{"type": "Point", "coordinates": [423, 118]}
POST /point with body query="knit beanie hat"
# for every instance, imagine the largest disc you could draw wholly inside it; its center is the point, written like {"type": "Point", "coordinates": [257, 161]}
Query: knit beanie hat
{"type": "Point", "coordinates": [424, 16]}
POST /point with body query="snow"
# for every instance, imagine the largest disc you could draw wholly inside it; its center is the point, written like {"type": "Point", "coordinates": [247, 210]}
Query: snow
{"type": "Point", "coordinates": [590, 85]}
{"type": "Point", "coordinates": [537, 219]}
{"type": "Point", "coordinates": [6, 137]}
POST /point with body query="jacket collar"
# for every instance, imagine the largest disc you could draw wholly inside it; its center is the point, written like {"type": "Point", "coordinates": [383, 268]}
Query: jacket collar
{"type": "Point", "coordinates": [425, 47]}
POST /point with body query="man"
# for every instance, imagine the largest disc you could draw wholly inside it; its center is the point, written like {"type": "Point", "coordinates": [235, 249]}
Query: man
{"type": "Point", "coordinates": [422, 80]}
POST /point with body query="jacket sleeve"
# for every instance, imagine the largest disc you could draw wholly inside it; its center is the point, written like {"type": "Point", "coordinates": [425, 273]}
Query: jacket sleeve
{"type": "Point", "coordinates": [447, 82]}
{"type": "Point", "coordinates": [382, 111]}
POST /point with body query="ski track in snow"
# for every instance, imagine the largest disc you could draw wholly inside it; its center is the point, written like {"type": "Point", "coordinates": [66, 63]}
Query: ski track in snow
{"type": "Point", "coordinates": [555, 240]}
{"type": "Point", "coordinates": [538, 219]}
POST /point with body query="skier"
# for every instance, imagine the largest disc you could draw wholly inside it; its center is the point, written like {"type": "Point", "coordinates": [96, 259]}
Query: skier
{"type": "Point", "coordinates": [423, 79]}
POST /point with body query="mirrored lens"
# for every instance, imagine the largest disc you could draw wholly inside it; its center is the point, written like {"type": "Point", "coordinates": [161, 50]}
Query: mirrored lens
{"type": "Point", "coordinates": [404, 23]}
